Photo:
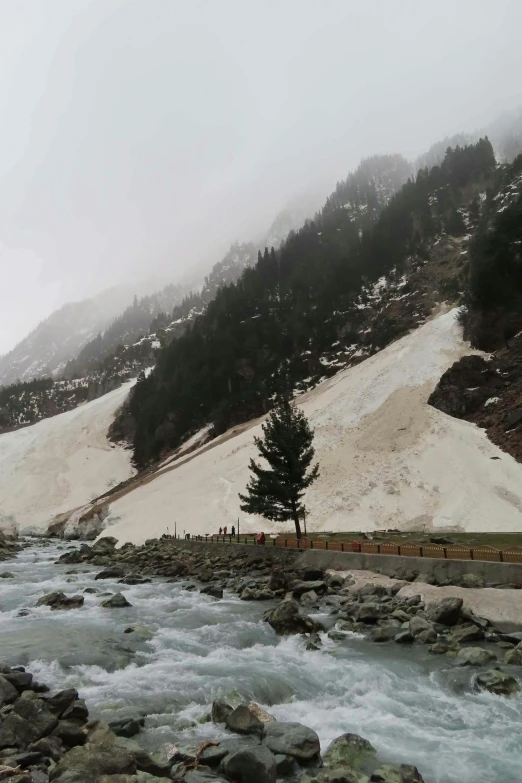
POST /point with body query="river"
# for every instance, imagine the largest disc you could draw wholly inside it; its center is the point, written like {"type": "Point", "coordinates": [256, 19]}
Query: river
{"type": "Point", "coordinates": [414, 707]}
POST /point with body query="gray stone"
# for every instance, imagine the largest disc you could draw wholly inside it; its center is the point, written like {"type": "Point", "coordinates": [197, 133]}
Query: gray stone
{"type": "Point", "coordinates": [405, 773]}
{"type": "Point", "coordinates": [213, 591]}
{"type": "Point", "coordinates": [285, 765]}
{"type": "Point", "coordinates": [70, 733]}
{"type": "Point", "coordinates": [116, 601]}
{"type": "Point", "coordinates": [201, 776]}
{"type": "Point", "coordinates": [61, 700]}
{"type": "Point", "coordinates": [86, 764]}
{"type": "Point", "coordinates": [292, 739]}
{"type": "Point", "coordinates": [428, 636]}
{"type": "Point", "coordinates": [368, 613]}
{"type": "Point", "coordinates": [471, 581]}
{"type": "Point", "coordinates": [467, 633]}
{"type": "Point", "coordinates": [474, 656]}
{"type": "Point", "coordinates": [21, 680]}
{"type": "Point", "coordinates": [220, 711]}
{"type": "Point", "coordinates": [514, 656]}
{"type": "Point", "coordinates": [8, 693]}
{"type": "Point", "coordinates": [403, 637]}
{"type": "Point", "coordinates": [59, 601]}
{"type": "Point", "coordinates": [252, 765]}
{"type": "Point", "coordinates": [417, 625]}
{"type": "Point", "coordinates": [286, 618]}
{"type": "Point", "coordinates": [243, 721]}
{"type": "Point", "coordinates": [349, 750]}
{"type": "Point", "coordinates": [497, 682]}
{"type": "Point", "coordinates": [446, 612]}
{"type": "Point", "coordinates": [114, 572]}
{"type": "Point", "coordinates": [128, 726]}
{"type": "Point", "coordinates": [382, 633]}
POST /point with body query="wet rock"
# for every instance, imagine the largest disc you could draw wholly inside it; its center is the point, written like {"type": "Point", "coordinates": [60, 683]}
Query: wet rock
{"type": "Point", "coordinates": [382, 633]}
{"type": "Point", "coordinates": [243, 721]}
{"type": "Point", "coordinates": [134, 579]}
{"type": "Point", "coordinates": [90, 590]}
{"type": "Point", "coordinates": [286, 619]}
{"type": "Point", "coordinates": [201, 776]}
{"type": "Point", "coordinates": [497, 682]}
{"type": "Point", "coordinates": [61, 701]}
{"type": "Point", "coordinates": [88, 763]}
{"type": "Point", "coordinates": [59, 601]}
{"type": "Point", "coordinates": [70, 733]}
{"type": "Point", "coordinates": [6, 575]}
{"type": "Point", "coordinates": [467, 633]}
{"type": "Point", "coordinates": [401, 615]}
{"type": "Point", "coordinates": [128, 726]}
{"type": "Point", "coordinates": [213, 591]}
{"type": "Point", "coordinates": [446, 612]}
{"type": "Point", "coordinates": [514, 656]}
{"type": "Point", "coordinates": [417, 625]}
{"type": "Point", "coordinates": [8, 693]}
{"type": "Point", "coordinates": [116, 601]}
{"type": "Point", "coordinates": [21, 680]}
{"type": "Point", "coordinates": [318, 586]}
{"type": "Point", "coordinates": [292, 739]}
{"type": "Point", "coordinates": [443, 647]}
{"type": "Point", "coordinates": [260, 713]}
{"type": "Point", "coordinates": [403, 637]}
{"type": "Point", "coordinates": [471, 617]}
{"type": "Point", "coordinates": [368, 613]}
{"type": "Point", "coordinates": [252, 765]}
{"type": "Point", "coordinates": [428, 636]}
{"type": "Point", "coordinates": [389, 773]}
{"type": "Point", "coordinates": [28, 721]}
{"type": "Point", "coordinates": [369, 589]}
{"type": "Point", "coordinates": [113, 572]}
{"type": "Point", "coordinates": [337, 636]}
{"type": "Point", "coordinates": [474, 656]}
{"type": "Point", "coordinates": [220, 711]}
{"type": "Point", "coordinates": [253, 594]}
{"type": "Point", "coordinates": [285, 765]}
{"type": "Point", "coordinates": [76, 711]}
{"type": "Point", "coordinates": [51, 747]}
{"type": "Point", "coordinates": [335, 581]}
{"type": "Point", "coordinates": [349, 750]}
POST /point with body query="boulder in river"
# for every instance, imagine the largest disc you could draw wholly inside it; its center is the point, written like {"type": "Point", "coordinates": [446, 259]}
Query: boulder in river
{"type": "Point", "coordinates": [113, 572]}
{"type": "Point", "coordinates": [292, 739]}
{"type": "Point", "coordinates": [498, 682]}
{"type": "Point", "coordinates": [383, 633]}
{"type": "Point", "coordinates": [6, 575]}
{"type": "Point", "coordinates": [467, 633]}
{"type": "Point", "coordinates": [474, 656]}
{"type": "Point", "coordinates": [58, 601]}
{"type": "Point", "coordinates": [116, 601]}
{"type": "Point", "coordinates": [446, 612]}
{"type": "Point", "coordinates": [349, 751]}
{"type": "Point", "coordinates": [213, 591]}
{"type": "Point", "coordinates": [243, 721]}
{"type": "Point", "coordinates": [252, 765]}
{"type": "Point", "coordinates": [286, 619]}
{"type": "Point", "coordinates": [220, 711]}
{"type": "Point", "coordinates": [514, 656]}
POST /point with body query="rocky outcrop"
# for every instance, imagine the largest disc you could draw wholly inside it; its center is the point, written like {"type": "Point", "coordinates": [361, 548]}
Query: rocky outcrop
{"type": "Point", "coordinates": [286, 618]}
{"type": "Point", "coordinates": [487, 392]}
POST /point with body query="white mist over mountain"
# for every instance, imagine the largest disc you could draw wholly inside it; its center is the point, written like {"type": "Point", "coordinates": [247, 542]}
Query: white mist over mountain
{"type": "Point", "coordinates": [139, 141]}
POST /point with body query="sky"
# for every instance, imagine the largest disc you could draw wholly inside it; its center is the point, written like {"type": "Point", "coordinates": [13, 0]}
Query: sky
{"type": "Point", "coordinates": [142, 137]}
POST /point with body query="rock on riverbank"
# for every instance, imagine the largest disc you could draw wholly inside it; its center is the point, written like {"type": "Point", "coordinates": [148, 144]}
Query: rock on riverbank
{"type": "Point", "coordinates": [46, 738]}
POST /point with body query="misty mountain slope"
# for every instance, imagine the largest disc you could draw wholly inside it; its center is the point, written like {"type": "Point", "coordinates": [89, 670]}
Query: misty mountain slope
{"type": "Point", "coordinates": [331, 295]}
{"type": "Point", "coordinates": [60, 464]}
{"type": "Point", "coordinates": [61, 336]}
{"type": "Point", "coordinates": [387, 459]}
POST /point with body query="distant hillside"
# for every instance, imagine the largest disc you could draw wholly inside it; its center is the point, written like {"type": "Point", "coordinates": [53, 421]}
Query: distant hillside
{"type": "Point", "coordinates": [61, 336]}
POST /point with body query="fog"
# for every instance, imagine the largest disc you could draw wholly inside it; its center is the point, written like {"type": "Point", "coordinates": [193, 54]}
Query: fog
{"type": "Point", "coordinates": [141, 137]}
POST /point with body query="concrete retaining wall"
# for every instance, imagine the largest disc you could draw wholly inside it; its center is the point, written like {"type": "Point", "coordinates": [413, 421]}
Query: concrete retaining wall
{"type": "Point", "coordinates": [493, 573]}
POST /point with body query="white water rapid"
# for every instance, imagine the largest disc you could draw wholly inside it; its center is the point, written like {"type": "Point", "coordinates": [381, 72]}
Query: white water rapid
{"type": "Point", "coordinates": [414, 707]}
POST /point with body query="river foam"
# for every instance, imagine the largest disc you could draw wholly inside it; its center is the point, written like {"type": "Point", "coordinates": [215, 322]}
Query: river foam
{"type": "Point", "coordinates": [414, 708]}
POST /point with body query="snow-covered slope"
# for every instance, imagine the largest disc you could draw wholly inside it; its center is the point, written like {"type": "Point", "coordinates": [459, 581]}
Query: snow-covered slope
{"type": "Point", "coordinates": [387, 459]}
{"type": "Point", "coordinates": [60, 463]}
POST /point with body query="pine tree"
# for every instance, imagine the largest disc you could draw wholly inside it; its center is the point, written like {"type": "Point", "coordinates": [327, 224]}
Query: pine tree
{"type": "Point", "coordinates": [275, 492]}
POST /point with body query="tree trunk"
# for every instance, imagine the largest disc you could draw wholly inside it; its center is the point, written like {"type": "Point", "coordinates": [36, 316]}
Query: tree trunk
{"type": "Point", "coordinates": [297, 523]}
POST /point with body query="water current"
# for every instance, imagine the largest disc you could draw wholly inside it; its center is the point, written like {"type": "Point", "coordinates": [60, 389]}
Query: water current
{"type": "Point", "coordinates": [190, 649]}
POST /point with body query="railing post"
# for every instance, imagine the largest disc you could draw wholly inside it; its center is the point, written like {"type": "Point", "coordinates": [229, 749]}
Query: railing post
{"type": "Point", "coordinates": [378, 549]}
{"type": "Point", "coordinates": [501, 555]}
{"type": "Point", "coordinates": [342, 546]}
{"type": "Point", "coordinates": [471, 554]}
{"type": "Point", "coordinates": [326, 544]}
{"type": "Point", "coordinates": [421, 551]}
{"type": "Point", "coordinates": [398, 549]}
